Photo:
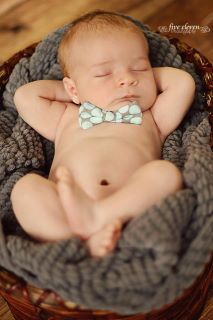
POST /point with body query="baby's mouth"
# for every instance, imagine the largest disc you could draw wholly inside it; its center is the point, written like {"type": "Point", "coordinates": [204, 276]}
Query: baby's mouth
{"type": "Point", "coordinates": [130, 97]}
{"type": "Point", "coordinates": [119, 101]}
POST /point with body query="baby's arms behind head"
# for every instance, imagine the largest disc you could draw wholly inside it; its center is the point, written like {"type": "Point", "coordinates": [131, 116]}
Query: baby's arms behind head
{"type": "Point", "coordinates": [177, 89]}
{"type": "Point", "coordinates": [41, 104]}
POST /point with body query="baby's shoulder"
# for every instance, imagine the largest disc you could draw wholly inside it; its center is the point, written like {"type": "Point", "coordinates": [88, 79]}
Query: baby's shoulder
{"type": "Point", "coordinates": [70, 114]}
{"type": "Point", "coordinates": [72, 106]}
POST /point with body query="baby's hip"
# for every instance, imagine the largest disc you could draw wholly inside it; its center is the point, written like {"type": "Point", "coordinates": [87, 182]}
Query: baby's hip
{"type": "Point", "coordinates": [101, 166]}
{"type": "Point", "coordinates": [99, 181]}
{"type": "Point", "coordinates": [98, 178]}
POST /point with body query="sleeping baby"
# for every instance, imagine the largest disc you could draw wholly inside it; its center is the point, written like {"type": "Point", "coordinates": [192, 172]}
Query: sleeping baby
{"type": "Point", "coordinates": [108, 119]}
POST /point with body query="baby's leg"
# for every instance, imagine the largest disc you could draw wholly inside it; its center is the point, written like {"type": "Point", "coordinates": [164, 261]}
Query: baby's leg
{"type": "Point", "coordinates": [102, 224]}
{"type": "Point", "coordinates": [38, 209]}
{"type": "Point", "coordinates": [149, 184]}
{"type": "Point", "coordinates": [82, 217]}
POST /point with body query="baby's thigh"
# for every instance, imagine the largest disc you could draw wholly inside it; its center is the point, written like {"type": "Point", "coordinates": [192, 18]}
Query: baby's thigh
{"type": "Point", "coordinates": [29, 195]}
{"type": "Point", "coordinates": [38, 208]}
{"type": "Point", "coordinates": [30, 186]}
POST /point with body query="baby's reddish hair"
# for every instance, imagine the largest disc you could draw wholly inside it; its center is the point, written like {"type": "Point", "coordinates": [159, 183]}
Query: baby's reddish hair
{"type": "Point", "coordinates": [94, 21]}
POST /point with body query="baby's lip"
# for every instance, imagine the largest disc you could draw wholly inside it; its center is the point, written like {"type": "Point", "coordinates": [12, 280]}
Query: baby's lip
{"type": "Point", "coordinates": [129, 96]}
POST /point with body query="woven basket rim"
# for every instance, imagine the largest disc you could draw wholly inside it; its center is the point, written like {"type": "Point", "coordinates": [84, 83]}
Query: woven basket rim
{"type": "Point", "coordinates": [15, 288]}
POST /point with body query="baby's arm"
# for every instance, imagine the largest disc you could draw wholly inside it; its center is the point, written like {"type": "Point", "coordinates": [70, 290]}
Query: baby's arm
{"type": "Point", "coordinates": [177, 89]}
{"type": "Point", "coordinates": [41, 104]}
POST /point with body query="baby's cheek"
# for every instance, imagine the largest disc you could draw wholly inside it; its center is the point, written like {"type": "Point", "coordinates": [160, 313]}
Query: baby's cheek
{"type": "Point", "coordinates": [152, 91]}
{"type": "Point", "coordinates": [149, 95]}
{"type": "Point", "coordinates": [152, 99]}
{"type": "Point", "coordinates": [103, 93]}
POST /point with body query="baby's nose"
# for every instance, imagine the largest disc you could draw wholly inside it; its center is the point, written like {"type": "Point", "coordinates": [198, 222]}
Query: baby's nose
{"type": "Point", "coordinates": [127, 80]}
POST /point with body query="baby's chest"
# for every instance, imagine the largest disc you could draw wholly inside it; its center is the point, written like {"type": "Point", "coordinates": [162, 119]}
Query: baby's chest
{"type": "Point", "coordinates": [145, 135]}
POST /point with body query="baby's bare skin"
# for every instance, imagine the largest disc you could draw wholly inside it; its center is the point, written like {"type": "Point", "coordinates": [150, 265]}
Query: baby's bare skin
{"type": "Point", "coordinates": [100, 161]}
{"type": "Point", "coordinates": [103, 176]}
{"type": "Point", "coordinates": [109, 152]}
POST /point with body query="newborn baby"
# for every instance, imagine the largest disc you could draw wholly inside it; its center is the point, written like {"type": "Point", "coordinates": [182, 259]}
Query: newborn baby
{"type": "Point", "coordinates": [108, 119]}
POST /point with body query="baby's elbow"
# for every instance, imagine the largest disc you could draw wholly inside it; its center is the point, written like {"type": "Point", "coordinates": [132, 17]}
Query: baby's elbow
{"type": "Point", "coordinates": [190, 81]}
{"type": "Point", "coordinates": [188, 85]}
{"type": "Point", "coordinates": [18, 97]}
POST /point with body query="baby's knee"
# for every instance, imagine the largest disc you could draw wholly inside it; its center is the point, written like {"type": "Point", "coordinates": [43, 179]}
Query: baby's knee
{"type": "Point", "coordinates": [21, 187]}
{"type": "Point", "coordinates": [169, 173]}
{"type": "Point", "coordinates": [173, 175]}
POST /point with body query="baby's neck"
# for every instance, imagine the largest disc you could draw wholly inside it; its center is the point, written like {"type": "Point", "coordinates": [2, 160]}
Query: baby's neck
{"type": "Point", "coordinates": [121, 103]}
{"type": "Point", "coordinates": [116, 105]}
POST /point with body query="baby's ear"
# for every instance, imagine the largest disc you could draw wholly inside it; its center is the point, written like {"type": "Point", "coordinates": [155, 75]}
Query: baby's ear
{"type": "Point", "coordinates": [71, 89]}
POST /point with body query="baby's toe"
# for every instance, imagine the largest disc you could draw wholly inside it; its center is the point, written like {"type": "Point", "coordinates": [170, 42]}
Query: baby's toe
{"type": "Point", "coordinates": [111, 236]}
{"type": "Point", "coordinates": [63, 174]}
{"type": "Point", "coordinates": [117, 225]}
{"type": "Point", "coordinates": [60, 171]}
{"type": "Point", "coordinates": [105, 240]}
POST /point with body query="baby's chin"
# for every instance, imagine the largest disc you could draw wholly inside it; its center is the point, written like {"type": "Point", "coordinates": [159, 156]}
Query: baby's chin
{"type": "Point", "coordinates": [118, 103]}
{"type": "Point", "coordinates": [114, 105]}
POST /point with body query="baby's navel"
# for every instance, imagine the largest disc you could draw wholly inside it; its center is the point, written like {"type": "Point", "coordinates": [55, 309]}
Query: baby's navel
{"type": "Point", "coordinates": [104, 182]}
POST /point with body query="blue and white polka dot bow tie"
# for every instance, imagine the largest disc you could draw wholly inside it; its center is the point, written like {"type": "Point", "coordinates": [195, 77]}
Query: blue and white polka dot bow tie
{"type": "Point", "coordinates": [91, 115]}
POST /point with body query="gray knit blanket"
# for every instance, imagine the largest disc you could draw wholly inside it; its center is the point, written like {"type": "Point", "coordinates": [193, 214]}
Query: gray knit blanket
{"type": "Point", "coordinates": [160, 253]}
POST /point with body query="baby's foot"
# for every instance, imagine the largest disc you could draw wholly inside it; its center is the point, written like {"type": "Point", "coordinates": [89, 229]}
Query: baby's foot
{"type": "Point", "coordinates": [76, 204]}
{"type": "Point", "coordinates": [104, 240]}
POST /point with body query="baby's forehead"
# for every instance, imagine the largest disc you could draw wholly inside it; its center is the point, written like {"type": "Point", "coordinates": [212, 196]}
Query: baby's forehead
{"type": "Point", "coordinates": [82, 53]}
{"type": "Point", "coordinates": [76, 38]}
{"type": "Point", "coordinates": [86, 38]}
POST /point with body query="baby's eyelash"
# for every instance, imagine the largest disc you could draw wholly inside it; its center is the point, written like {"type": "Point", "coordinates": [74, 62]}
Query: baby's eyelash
{"type": "Point", "coordinates": [102, 75]}
{"type": "Point", "coordinates": [139, 70]}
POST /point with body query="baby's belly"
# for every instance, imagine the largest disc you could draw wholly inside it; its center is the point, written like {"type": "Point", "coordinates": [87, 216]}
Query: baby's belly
{"type": "Point", "coordinates": [100, 166]}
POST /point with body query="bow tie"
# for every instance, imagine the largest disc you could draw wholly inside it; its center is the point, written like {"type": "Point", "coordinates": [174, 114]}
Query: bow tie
{"type": "Point", "coordinates": [91, 115]}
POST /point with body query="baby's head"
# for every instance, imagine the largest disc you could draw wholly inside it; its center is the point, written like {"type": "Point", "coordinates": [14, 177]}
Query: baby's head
{"type": "Point", "coordinates": [105, 60]}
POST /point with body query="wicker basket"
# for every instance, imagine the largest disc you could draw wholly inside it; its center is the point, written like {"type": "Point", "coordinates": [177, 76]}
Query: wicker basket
{"type": "Point", "coordinates": [30, 303]}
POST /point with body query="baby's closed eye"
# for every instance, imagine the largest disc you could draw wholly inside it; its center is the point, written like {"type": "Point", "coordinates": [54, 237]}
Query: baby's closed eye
{"type": "Point", "coordinates": [104, 74]}
{"type": "Point", "coordinates": [138, 70]}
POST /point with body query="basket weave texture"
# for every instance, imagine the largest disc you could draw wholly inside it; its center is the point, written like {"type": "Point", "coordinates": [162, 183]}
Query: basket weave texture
{"type": "Point", "coordinates": [28, 302]}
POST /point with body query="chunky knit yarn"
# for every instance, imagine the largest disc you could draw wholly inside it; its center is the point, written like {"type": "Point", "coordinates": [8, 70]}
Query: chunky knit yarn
{"type": "Point", "coordinates": [160, 253]}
